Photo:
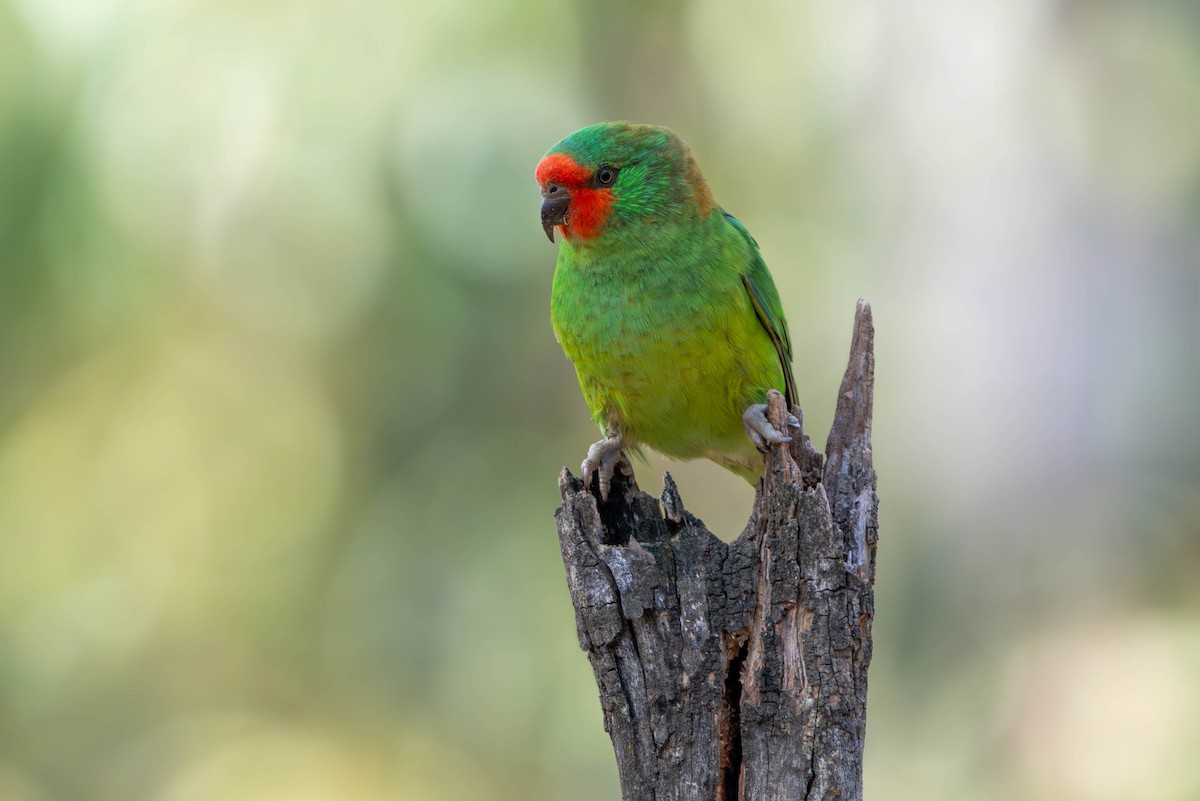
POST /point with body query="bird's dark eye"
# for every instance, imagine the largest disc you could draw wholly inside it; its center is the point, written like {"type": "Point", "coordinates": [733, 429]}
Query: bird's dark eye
{"type": "Point", "coordinates": [606, 176]}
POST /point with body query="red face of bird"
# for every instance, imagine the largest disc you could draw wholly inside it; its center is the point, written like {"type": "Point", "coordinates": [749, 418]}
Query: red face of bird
{"type": "Point", "coordinates": [576, 200]}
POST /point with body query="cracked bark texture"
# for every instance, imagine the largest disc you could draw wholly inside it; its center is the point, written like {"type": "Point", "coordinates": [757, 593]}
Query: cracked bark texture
{"type": "Point", "coordinates": [737, 671]}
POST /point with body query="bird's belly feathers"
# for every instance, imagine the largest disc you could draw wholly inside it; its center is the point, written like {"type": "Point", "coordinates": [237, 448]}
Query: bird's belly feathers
{"type": "Point", "coordinates": [672, 367]}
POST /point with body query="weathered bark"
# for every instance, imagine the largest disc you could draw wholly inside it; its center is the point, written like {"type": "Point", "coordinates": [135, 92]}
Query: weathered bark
{"type": "Point", "coordinates": [737, 672]}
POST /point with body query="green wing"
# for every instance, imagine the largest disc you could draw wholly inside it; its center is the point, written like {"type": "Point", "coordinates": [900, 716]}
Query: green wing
{"type": "Point", "coordinates": [765, 299]}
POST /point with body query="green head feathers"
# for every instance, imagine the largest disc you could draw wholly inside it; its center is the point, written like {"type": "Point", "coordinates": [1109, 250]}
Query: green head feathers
{"type": "Point", "coordinates": [614, 177]}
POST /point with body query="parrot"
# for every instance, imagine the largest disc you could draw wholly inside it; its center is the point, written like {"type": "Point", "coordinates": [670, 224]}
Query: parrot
{"type": "Point", "coordinates": [662, 302]}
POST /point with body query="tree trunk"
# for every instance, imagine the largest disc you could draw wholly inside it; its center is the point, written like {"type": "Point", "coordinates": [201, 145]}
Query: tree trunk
{"type": "Point", "coordinates": [737, 672]}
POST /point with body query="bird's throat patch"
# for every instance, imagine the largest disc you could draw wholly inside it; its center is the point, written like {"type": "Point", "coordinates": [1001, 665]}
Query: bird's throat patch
{"type": "Point", "coordinates": [588, 210]}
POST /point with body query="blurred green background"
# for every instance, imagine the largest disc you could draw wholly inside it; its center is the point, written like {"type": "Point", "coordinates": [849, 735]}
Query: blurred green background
{"type": "Point", "coordinates": [281, 413]}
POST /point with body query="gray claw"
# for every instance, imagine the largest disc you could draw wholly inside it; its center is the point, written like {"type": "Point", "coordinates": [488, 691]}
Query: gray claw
{"type": "Point", "coordinates": [604, 456]}
{"type": "Point", "coordinates": [793, 422]}
{"type": "Point", "coordinates": [760, 430]}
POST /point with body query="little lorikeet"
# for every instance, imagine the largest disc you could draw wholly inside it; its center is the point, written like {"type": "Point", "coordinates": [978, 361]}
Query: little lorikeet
{"type": "Point", "coordinates": [663, 303]}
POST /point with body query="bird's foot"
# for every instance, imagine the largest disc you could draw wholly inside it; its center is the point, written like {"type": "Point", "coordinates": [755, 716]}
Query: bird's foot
{"type": "Point", "coordinates": [603, 458]}
{"type": "Point", "coordinates": [760, 430]}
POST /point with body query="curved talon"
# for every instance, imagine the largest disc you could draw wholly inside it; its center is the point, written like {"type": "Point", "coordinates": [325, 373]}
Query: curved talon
{"type": "Point", "coordinates": [604, 456]}
{"type": "Point", "coordinates": [793, 422]}
{"type": "Point", "coordinates": [760, 430]}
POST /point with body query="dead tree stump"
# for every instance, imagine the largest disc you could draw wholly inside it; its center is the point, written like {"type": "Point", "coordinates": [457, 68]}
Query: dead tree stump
{"type": "Point", "coordinates": [737, 672]}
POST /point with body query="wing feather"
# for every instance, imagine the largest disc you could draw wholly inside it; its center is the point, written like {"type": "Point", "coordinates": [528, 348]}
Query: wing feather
{"type": "Point", "coordinates": [764, 297]}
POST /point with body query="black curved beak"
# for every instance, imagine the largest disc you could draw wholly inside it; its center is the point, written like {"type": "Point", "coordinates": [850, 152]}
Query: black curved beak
{"type": "Point", "coordinates": [555, 201]}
